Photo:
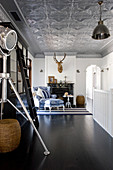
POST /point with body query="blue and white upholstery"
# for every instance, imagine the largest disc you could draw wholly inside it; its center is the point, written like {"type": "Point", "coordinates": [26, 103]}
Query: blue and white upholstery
{"type": "Point", "coordinates": [44, 99]}
{"type": "Point", "coordinates": [50, 103]}
{"type": "Point", "coordinates": [41, 93]}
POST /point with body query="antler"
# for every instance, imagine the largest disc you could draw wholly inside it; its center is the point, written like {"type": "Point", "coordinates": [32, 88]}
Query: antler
{"type": "Point", "coordinates": [59, 63]}
{"type": "Point", "coordinates": [64, 57]}
{"type": "Point", "coordinates": [54, 57]}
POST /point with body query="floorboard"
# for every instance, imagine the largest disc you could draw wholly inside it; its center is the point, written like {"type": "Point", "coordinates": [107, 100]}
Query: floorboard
{"type": "Point", "coordinates": [76, 142]}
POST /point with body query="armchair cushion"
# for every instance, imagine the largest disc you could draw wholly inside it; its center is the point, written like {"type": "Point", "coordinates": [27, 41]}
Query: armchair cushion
{"type": "Point", "coordinates": [46, 94]}
{"type": "Point", "coordinates": [52, 101]}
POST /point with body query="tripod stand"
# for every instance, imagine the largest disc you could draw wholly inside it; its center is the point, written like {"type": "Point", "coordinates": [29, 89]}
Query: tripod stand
{"type": "Point", "coordinates": [6, 77]}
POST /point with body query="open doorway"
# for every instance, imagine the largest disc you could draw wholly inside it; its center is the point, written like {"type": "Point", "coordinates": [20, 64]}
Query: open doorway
{"type": "Point", "coordinates": [93, 81]}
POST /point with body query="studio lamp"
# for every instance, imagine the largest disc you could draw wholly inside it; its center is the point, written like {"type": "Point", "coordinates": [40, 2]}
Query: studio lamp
{"type": "Point", "coordinates": [8, 40]}
{"type": "Point", "coordinates": [101, 31]}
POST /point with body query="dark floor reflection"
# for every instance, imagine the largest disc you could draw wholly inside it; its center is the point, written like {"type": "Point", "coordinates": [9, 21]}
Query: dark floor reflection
{"type": "Point", "coordinates": [75, 142]}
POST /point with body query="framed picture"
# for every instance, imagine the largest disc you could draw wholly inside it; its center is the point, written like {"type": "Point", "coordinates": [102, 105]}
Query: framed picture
{"type": "Point", "coordinates": [55, 80]}
{"type": "Point", "coordinates": [51, 79]}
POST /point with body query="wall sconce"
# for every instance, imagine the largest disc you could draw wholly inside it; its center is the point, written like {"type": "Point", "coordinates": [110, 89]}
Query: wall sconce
{"type": "Point", "coordinates": [107, 69]}
{"type": "Point", "coordinates": [102, 70]}
{"type": "Point", "coordinates": [78, 71]}
{"type": "Point", "coordinates": [41, 70]}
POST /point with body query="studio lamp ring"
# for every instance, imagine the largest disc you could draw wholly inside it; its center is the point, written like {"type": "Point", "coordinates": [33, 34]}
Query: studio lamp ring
{"type": "Point", "coordinates": [8, 39]}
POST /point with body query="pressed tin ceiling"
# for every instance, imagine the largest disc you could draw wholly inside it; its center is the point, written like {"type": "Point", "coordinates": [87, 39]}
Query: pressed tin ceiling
{"type": "Point", "coordinates": [63, 25]}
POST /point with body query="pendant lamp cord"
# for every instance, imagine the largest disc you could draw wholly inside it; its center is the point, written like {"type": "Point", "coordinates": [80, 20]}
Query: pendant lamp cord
{"type": "Point", "coordinates": [100, 12]}
{"type": "Point", "coordinates": [100, 3]}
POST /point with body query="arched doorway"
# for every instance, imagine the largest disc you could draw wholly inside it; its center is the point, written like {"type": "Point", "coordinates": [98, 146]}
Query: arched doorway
{"type": "Point", "coordinates": [93, 81]}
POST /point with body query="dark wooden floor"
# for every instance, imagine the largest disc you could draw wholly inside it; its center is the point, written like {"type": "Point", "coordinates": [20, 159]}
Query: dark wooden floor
{"type": "Point", "coordinates": [75, 142]}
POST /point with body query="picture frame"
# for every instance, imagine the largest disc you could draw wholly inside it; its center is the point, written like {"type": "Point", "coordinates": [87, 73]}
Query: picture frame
{"type": "Point", "coordinates": [51, 79]}
{"type": "Point", "coordinates": [55, 80]}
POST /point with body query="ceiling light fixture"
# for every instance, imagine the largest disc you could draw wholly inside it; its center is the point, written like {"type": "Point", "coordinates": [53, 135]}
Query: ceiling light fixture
{"type": "Point", "coordinates": [101, 31]}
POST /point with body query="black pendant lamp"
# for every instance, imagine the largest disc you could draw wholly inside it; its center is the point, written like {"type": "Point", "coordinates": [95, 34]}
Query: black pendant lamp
{"type": "Point", "coordinates": [101, 31]}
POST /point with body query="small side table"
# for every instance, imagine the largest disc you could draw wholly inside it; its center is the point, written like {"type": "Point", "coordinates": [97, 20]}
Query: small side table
{"type": "Point", "coordinates": [68, 103]}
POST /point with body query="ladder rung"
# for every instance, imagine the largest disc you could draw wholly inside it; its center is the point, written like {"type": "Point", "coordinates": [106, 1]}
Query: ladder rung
{"type": "Point", "coordinates": [25, 68]}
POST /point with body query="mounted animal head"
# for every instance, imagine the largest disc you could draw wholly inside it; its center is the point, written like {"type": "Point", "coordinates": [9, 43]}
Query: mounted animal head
{"type": "Point", "coordinates": [60, 68]}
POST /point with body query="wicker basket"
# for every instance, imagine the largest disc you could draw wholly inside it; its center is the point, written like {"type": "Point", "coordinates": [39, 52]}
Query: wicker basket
{"type": "Point", "coordinates": [10, 134]}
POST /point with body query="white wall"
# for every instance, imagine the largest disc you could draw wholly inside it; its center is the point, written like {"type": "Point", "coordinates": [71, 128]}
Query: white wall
{"type": "Point", "coordinates": [89, 82]}
{"type": "Point", "coordinates": [69, 68]}
{"type": "Point", "coordinates": [107, 80]}
{"type": "Point", "coordinates": [32, 58]}
{"type": "Point", "coordinates": [106, 76]}
{"type": "Point", "coordinates": [93, 80]}
{"type": "Point", "coordinates": [97, 77]}
{"type": "Point", "coordinates": [82, 64]}
{"type": "Point", "coordinates": [38, 77]}
{"type": "Point", "coordinates": [70, 65]}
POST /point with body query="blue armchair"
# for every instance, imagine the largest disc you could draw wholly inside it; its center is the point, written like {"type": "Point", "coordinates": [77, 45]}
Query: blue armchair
{"type": "Point", "coordinates": [43, 98]}
{"type": "Point", "coordinates": [41, 94]}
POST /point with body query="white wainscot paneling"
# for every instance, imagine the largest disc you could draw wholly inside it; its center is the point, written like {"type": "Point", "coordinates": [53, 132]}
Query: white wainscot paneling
{"type": "Point", "coordinates": [103, 109]}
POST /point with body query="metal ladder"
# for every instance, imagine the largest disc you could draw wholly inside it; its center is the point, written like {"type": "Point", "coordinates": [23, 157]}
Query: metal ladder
{"type": "Point", "coordinates": [26, 83]}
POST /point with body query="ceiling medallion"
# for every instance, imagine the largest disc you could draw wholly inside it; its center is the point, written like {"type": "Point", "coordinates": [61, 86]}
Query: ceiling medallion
{"type": "Point", "coordinates": [101, 31]}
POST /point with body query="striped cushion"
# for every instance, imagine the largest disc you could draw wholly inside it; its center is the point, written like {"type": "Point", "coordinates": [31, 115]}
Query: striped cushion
{"type": "Point", "coordinates": [46, 94]}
